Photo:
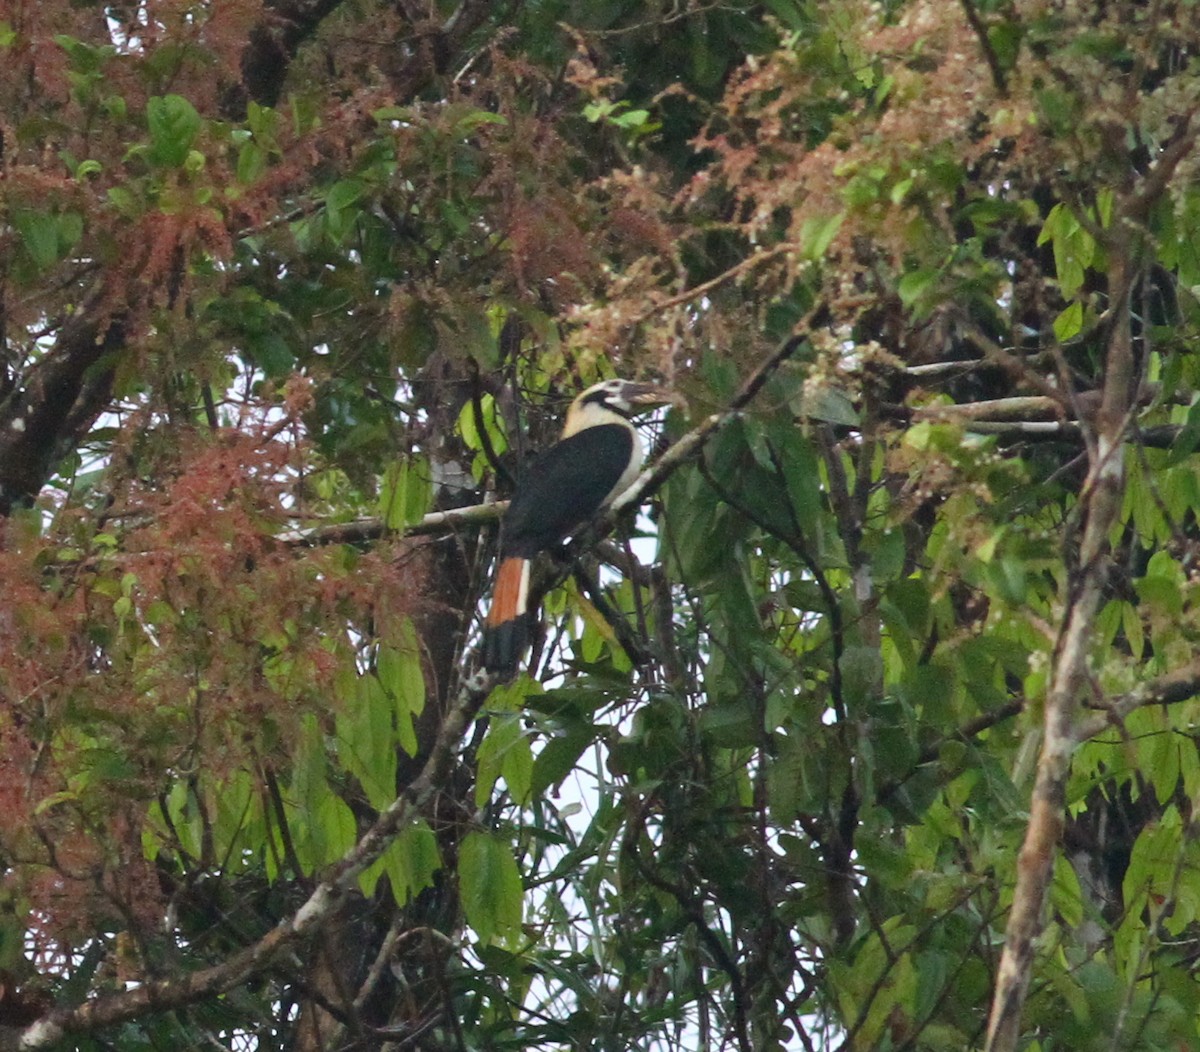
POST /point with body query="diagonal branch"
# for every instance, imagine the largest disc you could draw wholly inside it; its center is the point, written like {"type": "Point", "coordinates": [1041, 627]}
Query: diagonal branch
{"type": "Point", "coordinates": [655, 475]}
{"type": "Point", "coordinates": [57, 401]}
{"type": "Point", "coordinates": [165, 994]}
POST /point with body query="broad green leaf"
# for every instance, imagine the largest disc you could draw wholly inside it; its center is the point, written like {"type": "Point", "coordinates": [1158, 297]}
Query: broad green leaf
{"type": "Point", "coordinates": [831, 405]}
{"type": "Point", "coordinates": [340, 211]}
{"type": "Point", "coordinates": [85, 58]}
{"type": "Point", "coordinates": [39, 235]}
{"type": "Point", "coordinates": [1069, 322]}
{"type": "Point", "coordinates": [789, 12]}
{"type": "Point", "coordinates": [47, 236]}
{"type": "Point", "coordinates": [402, 675]}
{"type": "Point", "coordinates": [174, 125]}
{"type": "Point", "coordinates": [1005, 39]}
{"type": "Point", "coordinates": [332, 830]}
{"type": "Point", "coordinates": [490, 886]}
{"type": "Point", "coordinates": [252, 162]}
{"type": "Point", "coordinates": [366, 739]}
{"type": "Point", "coordinates": [468, 426]}
{"type": "Point", "coordinates": [405, 493]}
{"type": "Point", "coordinates": [914, 284]}
{"type": "Point", "coordinates": [1162, 592]}
{"type": "Point", "coordinates": [410, 862]}
{"type": "Point", "coordinates": [557, 758]}
{"type": "Point", "coordinates": [1152, 863]}
{"type": "Point", "coordinates": [1131, 625]}
{"type": "Point", "coordinates": [505, 751]}
{"type": "Point", "coordinates": [476, 118]}
{"type": "Point", "coordinates": [1074, 250]}
{"type": "Point", "coordinates": [124, 201]}
{"type": "Point", "coordinates": [861, 674]}
{"type": "Point", "coordinates": [1065, 893]}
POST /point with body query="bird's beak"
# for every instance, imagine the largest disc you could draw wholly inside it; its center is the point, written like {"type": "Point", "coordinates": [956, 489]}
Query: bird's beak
{"type": "Point", "coordinates": [649, 395]}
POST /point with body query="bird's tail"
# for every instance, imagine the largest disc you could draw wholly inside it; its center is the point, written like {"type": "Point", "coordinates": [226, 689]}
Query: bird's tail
{"type": "Point", "coordinates": [506, 632]}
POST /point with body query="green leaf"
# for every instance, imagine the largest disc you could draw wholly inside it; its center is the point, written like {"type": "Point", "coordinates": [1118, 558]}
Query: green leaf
{"type": "Point", "coordinates": [1005, 39]}
{"type": "Point", "coordinates": [490, 886]}
{"type": "Point", "coordinates": [39, 235]}
{"type": "Point", "coordinates": [1131, 624]}
{"type": "Point", "coordinates": [406, 491]}
{"type": "Point", "coordinates": [831, 405]}
{"type": "Point", "coordinates": [456, 219]}
{"type": "Point", "coordinates": [393, 113]}
{"type": "Point", "coordinates": [789, 12]}
{"type": "Point", "coordinates": [85, 58]}
{"type": "Point", "coordinates": [505, 752]}
{"type": "Point", "coordinates": [862, 673]}
{"type": "Point", "coordinates": [1074, 248]}
{"type": "Point", "coordinates": [1066, 894]}
{"type": "Point", "coordinates": [468, 427]}
{"type": "Point", "coordinates": [410, 862]}
{"type": "Point", "coordinates": [557, 759]}
{"type": "Point", "coordinates": [791, 786]}
{"type": "Point", "coordinates": [601, 110]}
{"type": "Point", "coordinates": [271, 352]}
{"type": "Point", "coordinates": [1152, 863]}
{"type": "Point", "coordinates": [1069, 322]}
{"type": "Point", "coordinates": [914, 284]}
{"type": "Point", "coordinates": [252, 162]}
{"type": "Point", "coordinates": [340, 214]}
{"type": "Point", "coordinates": [366, 738]}
{"type": "Point", "coordinates": [1188, 439]}
{"type": "Point", "coordinates": [1059, 109]}
{"type": "Point", "coordinates": [476, 118]}
{"type": "Point", "coordinates": [400, 673]}
{"type": "Point", "coordinates": [817, 234]}
{"type": "Point", "coordinates": [1161, 592]}
{"type": "Point", "coordinates": [635, 120]}
{"type": "Point", "coordinates": [124, 201]}
{"type": "Point", "coordinates": [332, 830]}
{"type": "Point", "coordinates": [174, 125]}
{"type": "Point", "coordinates": [398, 665]}
{"type": "Point", "coordinates": [1010, 578]}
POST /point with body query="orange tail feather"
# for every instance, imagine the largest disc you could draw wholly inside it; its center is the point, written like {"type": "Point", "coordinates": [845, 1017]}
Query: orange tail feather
{"type": "Point", "coordinates": [507, 629]}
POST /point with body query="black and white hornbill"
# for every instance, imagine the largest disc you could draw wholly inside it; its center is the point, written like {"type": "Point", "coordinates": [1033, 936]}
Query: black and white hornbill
{"type": "Point", "coordinates": [597, 458]}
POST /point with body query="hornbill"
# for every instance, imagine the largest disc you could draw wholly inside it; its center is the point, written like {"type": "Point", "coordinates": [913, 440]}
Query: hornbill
{"type": "Point", "coordinates": [596, 459]}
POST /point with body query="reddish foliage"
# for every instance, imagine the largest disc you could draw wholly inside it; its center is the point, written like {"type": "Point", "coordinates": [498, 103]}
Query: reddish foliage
{"type": "Point", "coordinates": [123, 668]}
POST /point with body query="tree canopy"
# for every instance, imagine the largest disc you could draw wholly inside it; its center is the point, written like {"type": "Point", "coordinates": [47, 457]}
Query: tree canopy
{"type": "Point", "coordinates": [875, 729]}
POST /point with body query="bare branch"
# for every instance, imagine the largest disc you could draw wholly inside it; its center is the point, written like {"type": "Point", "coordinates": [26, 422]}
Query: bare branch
{"type": "Point", "coordinates": [363, 530]}
{"type": "Point", "coordinates": [1179, 685]}
{"type": "Point", "coordinates": [1017, 408]}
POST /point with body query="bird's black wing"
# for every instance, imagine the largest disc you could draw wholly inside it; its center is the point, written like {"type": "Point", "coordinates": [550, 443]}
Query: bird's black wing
{"type": "Point", "coordinates": [564, 487]}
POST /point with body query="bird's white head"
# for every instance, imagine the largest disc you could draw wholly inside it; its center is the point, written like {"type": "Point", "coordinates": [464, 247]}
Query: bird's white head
{"type": "Point", "coordinates": [610, 399]}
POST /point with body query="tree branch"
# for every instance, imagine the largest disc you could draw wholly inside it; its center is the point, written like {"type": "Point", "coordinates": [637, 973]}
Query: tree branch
{"type": "Point", "coordinates": [1179, 685]}
{"type": "Point", "coordinates": [1100, 508]}
{"type": "Point", "coordinates": [999, 80]}
{"type": "Point", "coordinates": [162, 995]}
{"type": "Point", "coordinates": [57, 401]}
{"type": "Point", "coordinates": [655, 475]}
